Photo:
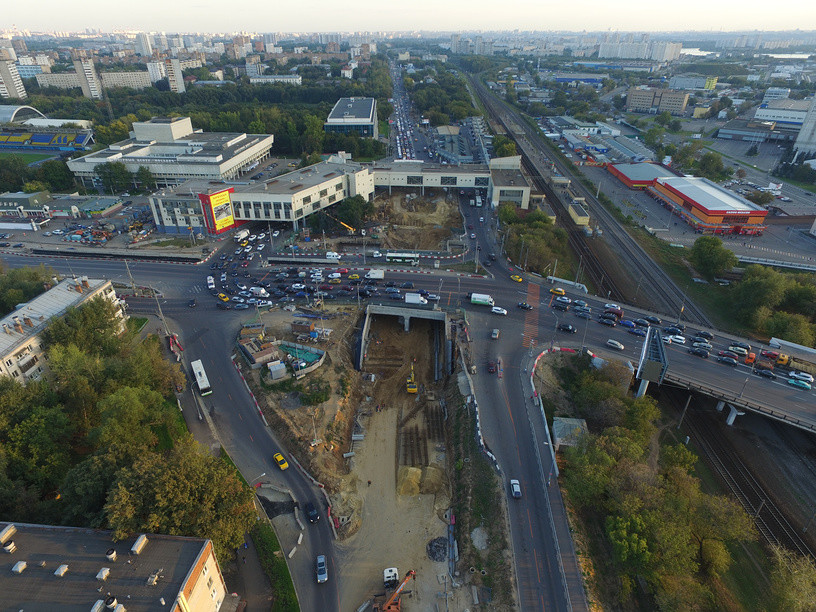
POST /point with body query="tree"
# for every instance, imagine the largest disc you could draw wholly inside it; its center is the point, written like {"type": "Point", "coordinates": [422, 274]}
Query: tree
{"type": "Point", "coordinates": [184, 492]}
{"type": "Point", "coordinates": [752, 151]}
{"type": "Point", "coordinates": [793, 581]}
{"type": "Point", "coordinates": [503, 146]}
{"type": "Point", "coordinates": [740, 173]}
{"type": "Point", "coordinates": [760, 197]}
{"type": "Point", "coordinates": [663, 118]}
{"type": "Point", "coordinates": [710, 258]}
{"type": "Point", "coordinates": [145, 178]}
{"type": "Point", "coordinates": [114, 176]}
{"type": "Point", "coordinates": [653, 137]}
{"type": "Point", "coordinates": [711, 165]}
{"type": "Point", "coordinates": [34, 187]}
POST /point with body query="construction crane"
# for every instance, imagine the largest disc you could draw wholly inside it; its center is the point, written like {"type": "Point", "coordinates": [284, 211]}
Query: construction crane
{"type": "Point", "coordinates": [346, 225]}
{"type": "Point", "coordinates": [393, 604]}
{"type": "Point", "coordinates": [410, 384]}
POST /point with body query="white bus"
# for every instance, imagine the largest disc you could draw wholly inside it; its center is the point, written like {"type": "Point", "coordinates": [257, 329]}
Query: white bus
{"type": "Point", "coordinates": [409, 258]}
{"type": "Point", "coordinates": [201, 378]}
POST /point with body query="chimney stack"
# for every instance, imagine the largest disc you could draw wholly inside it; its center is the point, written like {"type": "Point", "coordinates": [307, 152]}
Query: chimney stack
{"type": "Point", "coordinates": [27, 321]}
{"type": "Point", "coordinates": [17, 325]}
{"type": "Point", "coordinates": [6, 329]}
{"type": "Point", "coordinates": [85, 282]}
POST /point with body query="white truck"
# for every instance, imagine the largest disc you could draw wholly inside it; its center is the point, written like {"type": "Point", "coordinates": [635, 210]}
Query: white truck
{"type": "Point", "coordinates": [259, 292]}
{"type": "Point", "coordinates": [415, 298]}
{"type": "Point", "coordinates": [332, 255]}
{"type": "Point", "coordinates": [482, 299]}
{"type": "Point", "coordinates": [241, 235]}
{"type": "Point", "coordinates": [378, 274]}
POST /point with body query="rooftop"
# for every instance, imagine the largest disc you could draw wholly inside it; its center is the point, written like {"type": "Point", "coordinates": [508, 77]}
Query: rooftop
{"type": "Point", "coordinates": [643, 171]}
{"type": "Point", "coordinates": [788, 104]}
{"type": "Point", "coordinates": [709, 195]}
{"type": "Point", "coordinates": [45, 548]}
{"type": "Point", "coordinates": [508, 178]}
{"type": "Point", "coordinates": [360, 109]}
{"type": "Point", "coordinates": [33, 317]}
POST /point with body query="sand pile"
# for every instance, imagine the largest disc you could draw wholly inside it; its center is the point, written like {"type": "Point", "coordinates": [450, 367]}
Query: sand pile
{"type": "Point", "coordinates": [408, 479]}
{"type": "Point", "coordinates": [433, 480]}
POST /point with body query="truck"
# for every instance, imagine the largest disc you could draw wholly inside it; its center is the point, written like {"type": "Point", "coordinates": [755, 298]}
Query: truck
{"type": "Point", "coordinates": [482, 299]}
{"type": "Point", "coordinates": [241, 235]}
{"type": "Point", "coordinates": [415, 298]}
{"type": "Point", "coordinates": [375, 274]}
{"type": "Point", "coordinates": [259, 292]}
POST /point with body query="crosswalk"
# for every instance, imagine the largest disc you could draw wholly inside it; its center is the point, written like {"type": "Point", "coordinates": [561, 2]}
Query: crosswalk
{"type": "Point", "coordinates": [530, 335]}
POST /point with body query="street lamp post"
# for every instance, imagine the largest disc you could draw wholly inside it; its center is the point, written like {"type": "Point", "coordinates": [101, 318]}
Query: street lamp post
{"type": "Point", "coordinates": [257, 478]}
{"type": "Point", "coordinates": [745, 384]}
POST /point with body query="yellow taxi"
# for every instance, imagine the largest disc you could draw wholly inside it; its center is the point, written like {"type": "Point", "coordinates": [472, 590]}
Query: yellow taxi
{"type": "Point", "coordinates": [354, 277]}
{"type": "Point", "coordinates": [335, 281]}
{"type": "Point", "coordinates": [516, 278]}
{"type": "Point", "coordinates": [243, 243]}
{"type": "Point", "coordinates": [223, 297]}
{"type": "Point", "coordinates": [558, 291]}
{"type": "Point", "coordinates": [279, 459]}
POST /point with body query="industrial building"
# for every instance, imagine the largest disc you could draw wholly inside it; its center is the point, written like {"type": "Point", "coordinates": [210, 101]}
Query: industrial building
{"type": "Point", "coordinates": [174, 152]}
{"type": "Point", "coordinates": [656, 101]}
{"type": "Point", "coordinates": [211, 207]}
{"type": "Point", "coordinates": [805, 144]}
{"type": "Point", "coordinates": [707, 207]}
{"type": "Point", "coordinates": [354, 115]}
{"type": "Point", "coordinates": [23, 357]}
{"type": "Point", "coordinates": [73, 569]}
{"type": "Point", "coordinates": [693, 82]}
{"type": "Point", "coordinates": [639, 176]}
{"type": "Point", "coordinates": [784, 111]}
{"type": "Point", "coordinates": [757, 131]}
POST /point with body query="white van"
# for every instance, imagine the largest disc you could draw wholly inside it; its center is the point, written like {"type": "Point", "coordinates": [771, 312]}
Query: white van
{"type": "Point", "coordinates": [332, 255]}
{"type": "Point", "coordinates": [210, 283]}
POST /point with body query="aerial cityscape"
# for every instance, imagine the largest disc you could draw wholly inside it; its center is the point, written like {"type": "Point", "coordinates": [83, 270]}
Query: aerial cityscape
{"type": "Point", "coordinates": [365, 313]}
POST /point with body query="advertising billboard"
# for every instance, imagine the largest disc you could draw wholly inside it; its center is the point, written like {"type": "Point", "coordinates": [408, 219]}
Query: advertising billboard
{"type": "Point", "coordinates": [218, 215]}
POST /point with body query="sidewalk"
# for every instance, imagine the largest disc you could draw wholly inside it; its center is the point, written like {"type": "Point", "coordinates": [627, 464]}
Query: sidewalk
{"type": "Point", "coordinates": [246, 576]}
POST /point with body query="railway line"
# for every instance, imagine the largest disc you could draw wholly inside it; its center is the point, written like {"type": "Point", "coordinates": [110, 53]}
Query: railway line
{"type": "Point", "coordinates": [770, 520]}
{"type": "Point", "coordinates": [661, 290]}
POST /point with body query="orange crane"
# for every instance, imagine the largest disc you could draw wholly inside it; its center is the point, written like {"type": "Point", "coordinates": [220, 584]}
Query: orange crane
{"type": "Point", "coordinates": [393, 604]}
{"type": "Point", "coordinates": [346, 225]}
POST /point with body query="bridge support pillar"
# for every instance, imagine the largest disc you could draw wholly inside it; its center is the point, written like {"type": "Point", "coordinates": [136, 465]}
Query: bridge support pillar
{"type": "Point", "coordinates": [406, 323]}
{"type": "Point", "coordinates": [720, 405]}
{"type": "Point", "coordinates": [733, 413]}
{"type": "Point", "coordinates": [644, 385]}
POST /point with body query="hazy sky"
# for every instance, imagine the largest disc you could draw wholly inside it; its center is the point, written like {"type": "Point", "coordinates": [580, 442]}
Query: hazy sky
{"type": "Point", "coordinates": [373, 15]}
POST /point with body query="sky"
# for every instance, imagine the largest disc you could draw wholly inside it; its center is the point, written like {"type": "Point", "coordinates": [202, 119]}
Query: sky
{"type": "Point", "coordinates": [390, 15]}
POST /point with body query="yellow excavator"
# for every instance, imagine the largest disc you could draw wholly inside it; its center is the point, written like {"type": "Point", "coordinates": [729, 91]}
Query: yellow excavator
{"type": "Point", "coordinates": [411, 385]}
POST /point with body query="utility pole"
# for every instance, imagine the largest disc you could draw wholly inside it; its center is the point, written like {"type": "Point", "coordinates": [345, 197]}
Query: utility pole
{"type": "Point", "coordinates": [683, 416]}
{"type": "Point", "coordinates": [130, 276]}
{"type": "Point", "coordinates": [161, 314]}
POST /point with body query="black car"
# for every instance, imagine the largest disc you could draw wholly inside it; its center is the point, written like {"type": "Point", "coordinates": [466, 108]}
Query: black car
{"type": "Point", "coordinates": [222, 306]}
{"type": "Point", "coordinates": [744, 345]}
{"type": "Point", "coordinates": [492, 257]}
{"type": "Point", "coordinates": [609, 322]}
{"type": "Point", "coordinates": [311, 512]}
{"type": "Point", "coordinates": [727, 360]}
{"type": "Point", "coordinates": [766, 374]}
{"type": "Point", "coordinates": [560, 306]}
{"type": "Point", "coordinates": [610, 315]}
{"type": "Point", "coordinates": [699, 352]}
{"type": "Point", "coordinates": [705, 334]}
{"type": "Point", "coordinates": [213, 266]}
{"type": "Point", "coordinates": [524, 306]}
{"type": "Point", "coordinates": [390, 284]}
{"type": "Point", "coordinates": [407, 285]}
{"type": "Point", "coordinates": [582, 314]}
{"type": "Point", "coordinates": [395, 296]}
{"type": "Point", "coordinates": [654, 320]}
{"type": "Point", "coordinates": [566, 327]}
{"type": "Point", "coordinates": [642, 323]}
{"type": "Point", "coordinates": [673, 330]}
{"type": "Point", "coordinates": [192, 303]}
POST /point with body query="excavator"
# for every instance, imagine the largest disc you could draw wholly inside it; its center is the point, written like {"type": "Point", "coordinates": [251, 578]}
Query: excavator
{"type": "Point", "coordinates": [411, 385]}
{"type": "Point", "coordinates": [393, 603]}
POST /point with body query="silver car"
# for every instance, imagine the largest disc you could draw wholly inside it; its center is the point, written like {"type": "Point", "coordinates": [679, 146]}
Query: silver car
{"type": "Point", "coordinates": [321, 569]}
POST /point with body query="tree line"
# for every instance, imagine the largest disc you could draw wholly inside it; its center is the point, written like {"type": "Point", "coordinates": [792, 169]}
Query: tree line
{"type": "Point", "coordinates": [440, 95]}
{"type": "Point", "coordinates": [101, 444]}
{"type": "Point", "coordinates": [532, 239]}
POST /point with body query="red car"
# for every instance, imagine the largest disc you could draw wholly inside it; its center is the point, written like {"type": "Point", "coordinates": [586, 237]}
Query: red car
{"type": "Point", "coordinates": [772, 355]}
{"type": "Point", "coordinates": [491, 367]}
{"type": "Point", "coordinates": [342, 270]}
{"type": "Point", "coordinates": [244, 264]}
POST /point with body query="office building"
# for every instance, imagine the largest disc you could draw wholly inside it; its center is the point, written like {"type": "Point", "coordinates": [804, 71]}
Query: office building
{"type": "Point", "coordinates": [213, 208]}
{"type": "Point", "coordinates": [354, 115]}
{"type": "Point", "coordinates": [784, 111]}
{"type": "Point", "coordinates": [656, 101]}
{"type": "Point", "coordinates": [286, 79]}
{"type": "Point", "coordinates": [172, 67]}
{"type": "Point", "coordinates": [174, 153]}
{"type": "Point", "coordinates": [805, 145]}
{"type": "Point", "coordinates": [21, 351]}
{"type": "Point", "coordinates": [707, 207]}
{"type": "Point", "coordinates": [72, 569]}
{"type": "Point", "coordinates": [134, 80]}
{"type": "Point", "coordinates": [507, 183]}
{"type": "Point", "coordinates": [11, 84]}
{"type": "Point", "coordinates": [143, 45]}
{"type": "Point", "coordinates": [88, 79]}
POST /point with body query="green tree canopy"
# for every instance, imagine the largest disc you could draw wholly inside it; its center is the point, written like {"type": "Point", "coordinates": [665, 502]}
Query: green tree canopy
{"type": "Point", "coordinates": [710, 258]}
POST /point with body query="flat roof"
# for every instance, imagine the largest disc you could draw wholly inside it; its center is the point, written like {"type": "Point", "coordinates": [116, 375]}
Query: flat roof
{"type": "Point", "coordinates": [643, 171]}
{"type": "Point", "coordinates": [708, 195]}
{"type": "Point", "coordinates": [787, 104]}
{"type": "Point", "coordinates": [54, 302]}
{"type": "Point", "coordinates": [361, 109]}
{"type": "Point", "coordinates": [508, 178]}
{"type": "Point", "coordinates": [44, 548]}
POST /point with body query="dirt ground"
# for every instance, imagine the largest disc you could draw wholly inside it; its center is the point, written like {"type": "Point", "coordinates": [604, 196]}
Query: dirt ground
{"type": "Point", "coordinates": [389, 522]}
{"type": "Point", "coordinates": [419, 222]}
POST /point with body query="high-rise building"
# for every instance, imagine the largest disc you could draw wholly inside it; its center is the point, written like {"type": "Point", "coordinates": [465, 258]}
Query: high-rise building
{"type": "Point", "coordinates": [11, 85]}
{"type": "Point", "coordinates": [88, 79]}
{"type": "Point", "coordinates": [156, 71]}
{"type": "Point", "coordinates": [174, 75]}
{"type": "Point", "coordinates": [143, 46]}
{"type": "Point", "coordinates": [805, 144]}
{"type": "Point", "coordinates": [454, 43]}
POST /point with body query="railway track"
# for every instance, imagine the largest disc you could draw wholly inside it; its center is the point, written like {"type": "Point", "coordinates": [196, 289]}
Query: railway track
{"type": "Point", "coordinates": [661, 290]}
{"type": "Point", "coordinates": [770, 520]}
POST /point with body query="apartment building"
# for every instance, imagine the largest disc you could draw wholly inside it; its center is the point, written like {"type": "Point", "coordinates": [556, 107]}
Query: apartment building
{"type": "Point", "coordinates": [88, 78]}
{"type": "Point", "coordinates": [134, 80]}
{"type": "Point", "coordinates": [11, 84]}
{"type": "Point", "coordinates": [656, 101]}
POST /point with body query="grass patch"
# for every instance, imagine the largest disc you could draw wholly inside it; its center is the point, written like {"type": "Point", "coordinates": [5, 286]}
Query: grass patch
{"type": "Point", "coordinates": [136, 324]}
{"type": "Point", "coordinates": [747, 578]}
{"type": "Point", "coordinates": [28, 158]}
{"type": "Point", "coordinates": [274, 565]}
{"type": "Point", "coordinates": [228, 460]}
{"type": "Point", "coordinates": [180, 243]}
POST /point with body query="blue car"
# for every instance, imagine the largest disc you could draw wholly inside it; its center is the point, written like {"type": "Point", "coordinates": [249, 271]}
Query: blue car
{"type": "Point", "coordinates": [627, 323]}
{"type": "Point", "coordinates": [301, 294]}
{"type": "Point", "coordinates": [636, 331]}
